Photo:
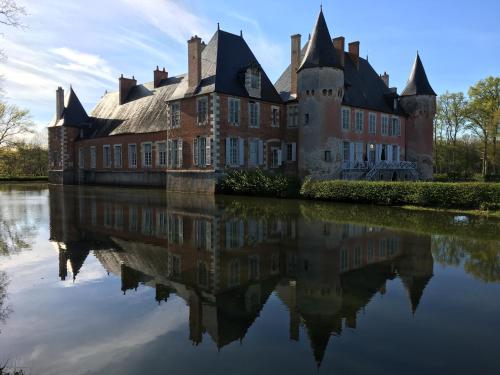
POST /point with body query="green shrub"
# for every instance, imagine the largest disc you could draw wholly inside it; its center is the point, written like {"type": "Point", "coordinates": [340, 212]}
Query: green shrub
{"type": "Point", "coordinates": [259, 183]}
{"type": "Point", "coordinates": [427, 194]}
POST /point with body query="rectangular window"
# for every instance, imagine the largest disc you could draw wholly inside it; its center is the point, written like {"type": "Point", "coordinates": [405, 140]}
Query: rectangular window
{"type": "Point", "coordinates": [328, 156]}
{"type": "Point", "coordinates": [275, 117]}
{"type": "Point", "coordinates": [346, 119]}
{"type": "Point", "coordinates": [254, 152]}
{"type": "Point", "coordinates": [253, 114]}
{"type": "Point", "coordinates": [385, 125]}
{"type": "Point", "coordinates": [291, 152]}
{"type": "Point", "coordinates": [118, 156]}
{"type": "Point", "coordinates": [255, 79]}
{"type": "Point", "coordinates": [147, 154]}
{"type": "Point", "coordinates": [175, 230]}
{"type": "Point", "coordinates": [396, 127]}
{"type": "Point", "coordinates": [175, 115]}
{"type": "Point", "coordinates": [93, 157]}
{"type": "Point", "coordinates": [132, 156]}
{"type": "Point", "coordinates": [203, 234]}
{"type": "Point", "coordinates": [372, 123]}
{"type": "Point", "coordinates": [234, 111]}
{"type": "Point", "coordinates": [174, 153]}
{"type": "Point", "coordinates": [276, 158]}
{"type": "Point", "coordinates": [233, 151]}
{"type": "Point", "coordinates": [359, 151]}
{"type": "Point", "coordinates": [81, 158]}
{"type": "Point", "coordinates": [202, 111]}
{"type": "Point", "coordinates": [293, 116]}
{"type": "Point", "coordinates": [162, 154]}
{"type": "Point", "coordinates": [359, 121]}
{"type": "Point", "coordinates": [106, 156]}
{"type": "Point", "coordinates": [346, 152]}
{"type": "Point", "coordinates": [200, 151]}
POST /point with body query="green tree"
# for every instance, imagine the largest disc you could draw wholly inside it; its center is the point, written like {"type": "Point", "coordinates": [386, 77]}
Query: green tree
{"type": "Point", "coordinates": [482, 113]}
{"type": "Point", "coordinates": [451, 120]}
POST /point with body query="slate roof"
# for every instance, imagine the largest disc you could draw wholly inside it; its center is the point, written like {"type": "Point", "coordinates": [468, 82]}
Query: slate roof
{"type": "Point", "coordinates": [418, 84]}
{"type": "Point", "coordinates": [224, 62]}
{"type": "Point", "coordinates": [73, 114]}
{"type": "Point", "coordinates": [363, 86]}
{"type": "Point", "coordinates": [320, 51]}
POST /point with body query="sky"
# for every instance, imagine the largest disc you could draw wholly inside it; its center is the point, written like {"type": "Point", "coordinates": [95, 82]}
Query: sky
{"type": "Point", "coordinates": [89, 43]}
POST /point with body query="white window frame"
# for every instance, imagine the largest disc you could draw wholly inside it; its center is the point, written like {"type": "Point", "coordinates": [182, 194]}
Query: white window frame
{"type": "Point", "coordinates": [117, 162]}
{"type": "Point", "coordinates": [202, 151]}
{"type": "Point", "coordinates": [234, 111]}
{"type": "Point", "coordinates": [253, 114]}
{"type": "Point", "coordinates": [175, 115]}
{"type": "Point", "coordinates": [359, 121]}
{"type": "Point", "coordinates": [293, 116]}
{"type": "Point", "coordinates": [395, 127]}
{"type": "Point", "coordinates": [132, 156]}
{"type": "Point", "coordinates": [372, 123]}
{"type": "Point", "coordinates": [144, 155]}
{"type": "Point", "coordinates": [93, 157]}
{"type": "Point", "coordinates": [384, 130]}
{"type": "Point", "coordinates": [346, 119]}
{"type": "Point", "coordinates": [275, 116]}
{"type": "Point", "coordinates": [106, 162]}
{"type": "Point", "coordinates": [292, 147]}
{"type": "Point", "coordinates": [161, 157]}
{"type": "Point", "coordinates": [202, 111]}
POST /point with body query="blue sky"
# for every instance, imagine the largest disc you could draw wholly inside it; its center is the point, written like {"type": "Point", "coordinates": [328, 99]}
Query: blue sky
{"type": "Point", "coordinates": [89, 43]}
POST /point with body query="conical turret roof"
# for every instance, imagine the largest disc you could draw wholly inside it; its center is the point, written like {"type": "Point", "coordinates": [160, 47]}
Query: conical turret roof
{"type": "Point", "coordinates": [320, 51]}
{"type": "Point", "coordinates": [418, 84]}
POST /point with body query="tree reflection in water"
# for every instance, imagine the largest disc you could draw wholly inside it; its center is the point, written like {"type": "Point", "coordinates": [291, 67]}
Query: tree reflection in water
{"type": "Point", "coordinates": [5, 309]}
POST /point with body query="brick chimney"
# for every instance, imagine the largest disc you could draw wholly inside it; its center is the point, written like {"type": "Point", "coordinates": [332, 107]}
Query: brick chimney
{"type": "Point", "coordinates": [124, 87]}
{"type": "Point", "coordinates": [59, 102]}
{"type": "Point", "coordinates": [159, 75]}
{"type": "Point", "coordinates": [295, 62]}
{"type": "Point", "coordinates": [194, 63]}
{"type": "Point", "coordinates": [385, 78]}
{"type": "Point", "coordinates": [354, 52]}
{"type": "Point", "coordinates": [339, 44]}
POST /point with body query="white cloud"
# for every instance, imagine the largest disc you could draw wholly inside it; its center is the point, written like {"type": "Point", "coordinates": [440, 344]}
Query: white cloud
{"type": "Point", "coordinates": [171, 17]}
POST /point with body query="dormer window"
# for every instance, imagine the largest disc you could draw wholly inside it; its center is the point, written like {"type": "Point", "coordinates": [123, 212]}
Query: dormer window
{"type": "Point", "coordinates": [253, 77]}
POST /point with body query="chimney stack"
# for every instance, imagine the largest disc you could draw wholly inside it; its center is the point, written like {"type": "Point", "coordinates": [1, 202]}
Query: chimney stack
{"type": "Point", "coordinates": [159, 75]}
{"type": "Point", "coordinates": [124, 87]}
{"type": "Point", "coordinates": [295, 62]}
{"type": "Point", "coordinates": [194, 63]}
{"type": "Point", "coordinates": [385, 78]}
{"type": "Point", "coordinates": [59, 102]}
{"type": "Point", "coordinates": [354, 53]}
{"type": "Point", "coordinates": [339, 44]}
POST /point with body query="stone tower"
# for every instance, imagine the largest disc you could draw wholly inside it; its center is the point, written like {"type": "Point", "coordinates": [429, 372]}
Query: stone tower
{"type": "Point", "coordinates": [320, 84]}
{"type": "Point", "coordinates": [418, 100]}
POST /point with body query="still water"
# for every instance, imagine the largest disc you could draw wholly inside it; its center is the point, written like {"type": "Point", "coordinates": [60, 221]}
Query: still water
{"type": "Point", "coordinates": [128, 281]}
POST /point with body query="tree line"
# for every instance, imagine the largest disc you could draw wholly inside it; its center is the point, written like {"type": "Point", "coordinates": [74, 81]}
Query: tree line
{"type": "Point", "coordinates": [467, 130]}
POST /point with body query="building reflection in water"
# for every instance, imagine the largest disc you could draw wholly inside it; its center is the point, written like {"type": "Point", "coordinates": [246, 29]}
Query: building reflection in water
{"type": "Point", "coordinates": [224, 257]}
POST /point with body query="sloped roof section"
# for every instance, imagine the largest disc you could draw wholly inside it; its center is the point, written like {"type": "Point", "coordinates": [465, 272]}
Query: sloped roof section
{"type": "Point", "coordinates": [418, 84]}
{"type": "Point", "coordinates": [73, 114]}
{"type": "Point", "coordinates": [224, 61]}
{"type": "Point", "coordinates": [363, 86]}
{"type": "Point", "coordinates": [234, 56]}
{"type": "Point", "coordinates": [320, 51]}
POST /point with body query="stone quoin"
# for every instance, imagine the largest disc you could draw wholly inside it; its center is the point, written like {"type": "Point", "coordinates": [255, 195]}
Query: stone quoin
{"type": "Point", "coordinates": [329, 116]}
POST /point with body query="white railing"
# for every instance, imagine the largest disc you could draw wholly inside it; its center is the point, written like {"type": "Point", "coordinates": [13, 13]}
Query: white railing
{"type": "Point", "coordinates": [381, 165]}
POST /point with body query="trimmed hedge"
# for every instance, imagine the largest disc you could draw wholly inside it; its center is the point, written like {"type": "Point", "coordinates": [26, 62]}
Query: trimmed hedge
{"type": "Point", "coordinates": [426, 194]}
{"type": "Point", "coordinates": [258, 183]}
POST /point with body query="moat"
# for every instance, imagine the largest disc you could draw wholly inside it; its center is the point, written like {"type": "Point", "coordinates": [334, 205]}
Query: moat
{"type": "Point", "coordinates": [98, 280]}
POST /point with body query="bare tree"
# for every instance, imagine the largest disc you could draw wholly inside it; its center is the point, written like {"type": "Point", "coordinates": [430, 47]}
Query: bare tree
{"type": "Point", "coordinates": [11, 13]}
{"type": "Point", "coordinates": [13, 123]}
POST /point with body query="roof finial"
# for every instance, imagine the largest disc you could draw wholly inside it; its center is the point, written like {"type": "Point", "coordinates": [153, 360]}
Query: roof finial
{"type": "Point", "coordinates": [241, 33]}
{"type": "Point", "coordinates": [218, 26]}
{"type": "Point", "coordinates": [321, 7]}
